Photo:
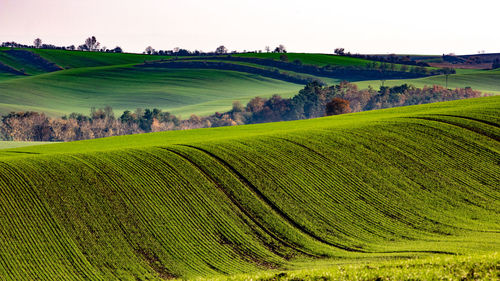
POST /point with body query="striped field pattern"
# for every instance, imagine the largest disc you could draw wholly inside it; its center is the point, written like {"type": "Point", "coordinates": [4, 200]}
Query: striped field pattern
{"type": "Point", "coordinates": [412, 181]}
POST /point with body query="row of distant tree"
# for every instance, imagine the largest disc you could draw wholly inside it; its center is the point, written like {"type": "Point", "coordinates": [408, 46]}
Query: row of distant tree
{"type": "Point", "coordinates": [91, 44]}
{"type": "Point", "coordinates": [221, 50]}
{"type": "Point", "coordinates": [315, 100]}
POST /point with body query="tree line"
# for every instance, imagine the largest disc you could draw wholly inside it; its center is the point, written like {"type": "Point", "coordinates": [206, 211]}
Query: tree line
{"type": "Point", "coordinates": [315, 100]}
{"type": "Point", "coordinates": [90, 44]}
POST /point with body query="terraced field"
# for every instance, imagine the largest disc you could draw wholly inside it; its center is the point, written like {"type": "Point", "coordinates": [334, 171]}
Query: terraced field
{"type": "Point", "coordinates": [419, 181]}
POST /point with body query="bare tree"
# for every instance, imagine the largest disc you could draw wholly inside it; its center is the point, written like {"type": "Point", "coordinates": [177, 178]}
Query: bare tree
{"type": "Point", "coordinates": [268, 49]}
{"type": "Point", "coordinates": [37, 43]}
{"type": "Point", "coordinates": [337, 106]}
{"type": "Point", "coordinates": [280, 49]}
{"type": "Point", "coordinates": [91, 43]}
{"type": "Point", "coordinates": [340, 51]}
{"type": "Point", "coordinates": [221, 50]}
{"type": "Point", "coordinates": [149, 50]}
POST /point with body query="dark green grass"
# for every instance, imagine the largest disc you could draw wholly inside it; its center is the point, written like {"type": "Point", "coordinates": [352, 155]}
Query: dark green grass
{"type": "Point", "coordinates": [487, 81]}
{"type": "Point", "coordinates": [404, 182]}
{"type": "Point", "coordinates": [76, 59]}
{"type": "Point", "coordinates": [19, 65]}
{"type": "Point", "coordinates": [314, 59]}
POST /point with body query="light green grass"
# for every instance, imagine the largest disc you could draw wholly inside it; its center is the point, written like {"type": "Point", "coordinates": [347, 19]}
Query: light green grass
{"type": "Point", "coordinates": [418, 181]}
{"type": "Point", "coordinates": [13, 144]}
{"type": "Point", "coordinates": [457, 268]}
{"type": "Point", "coordinates": [182, 92]}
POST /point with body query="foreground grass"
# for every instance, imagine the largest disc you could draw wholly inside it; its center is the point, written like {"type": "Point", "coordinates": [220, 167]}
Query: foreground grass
{"type": "Point", "coordinates": [307, 195]}
{"type": "Point", "coordinates": [459, 268]}
{"type": "Point", "coordinates": [13, 144]}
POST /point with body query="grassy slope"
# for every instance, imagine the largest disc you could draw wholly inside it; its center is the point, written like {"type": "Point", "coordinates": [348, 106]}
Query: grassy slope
{"type": "Point", "coordinates": [487, 81]}
{"type": "Point", "coordinates": [99, 79]}
{"type": "Point", "coordinates": [128, 87]}
{"type": "Point", "coordinates": [315, 59]}
{"type": "Point", "coordinates": [475, 267]}
{"type": "Point", "coordinates": [404, 181]}
{"type": "Point", "coordinates": [76, 59]}
{"type": "Point", "coordinates": [18, 64]}
{"type": "Point", "coordinates": [12, 144]}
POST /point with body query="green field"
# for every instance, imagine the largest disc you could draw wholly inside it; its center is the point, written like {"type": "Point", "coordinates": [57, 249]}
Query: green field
{"type": "Point", "coordinates": [468, 267]}
{"type": "Point", "coordinates": [184, 92]}
{"type": "Point", "coordinates": [95, 79]}
{"type": "Point", "coordinates": [487, 81]}
{"type": "Point", "coordinates": [311, 195]}
{"type": "Point", "coordinates": [12, 144]}
{"type": "Point", "coordinates": [77, 59]}
{"type": "Point", "coordinates": [314, 59]}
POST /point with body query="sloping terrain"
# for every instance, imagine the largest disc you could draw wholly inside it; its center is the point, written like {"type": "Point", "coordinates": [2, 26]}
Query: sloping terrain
{"type": "Point", "coordinates": [412, 181]}
{"type": "Point", "coordinates": [314, 59]}
{"type": "Point", "coordinates": [60, 82]}
{"type": "Point", "coordinates": [180, 91]}
{"type": "Point", "coordinates": [487, 81]}
{"type": "Point", "coordinates": [29, 80]}
{"type": "Point", "coordinates": [24, 62]}
{"type": "Point", "coordinates": [77, 59]}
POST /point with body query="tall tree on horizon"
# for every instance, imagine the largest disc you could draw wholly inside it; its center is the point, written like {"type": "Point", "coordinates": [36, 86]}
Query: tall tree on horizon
{"type": "Point", "coordinates": [37, 43]}
{"type": "Point", "coordinates": [221, 50]}
{"type": "Point", "coordinates": [91, 43]}
{"type": "Point", "coordinates": [149, 50]}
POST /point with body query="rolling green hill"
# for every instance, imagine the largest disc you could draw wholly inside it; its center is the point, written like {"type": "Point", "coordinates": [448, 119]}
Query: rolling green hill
{"type": "Point", "coordinates": [487, 81]}
{"type": "Point", "coordinates": [314, 59]}
{"type": "Point", "coordinates": [403, 182]}
{"type": "Point", "coordinates": [61, 82]}
{"type": "Point", "coordinates": [76, 59]}
{"type": "Point", "coordinates": [179, 91]}
{"type": "Point", "coordinates": [94, 79]}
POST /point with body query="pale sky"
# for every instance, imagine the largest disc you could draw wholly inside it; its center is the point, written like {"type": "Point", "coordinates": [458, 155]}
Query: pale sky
{"type": "Point", "coordinates": [378, 26]}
